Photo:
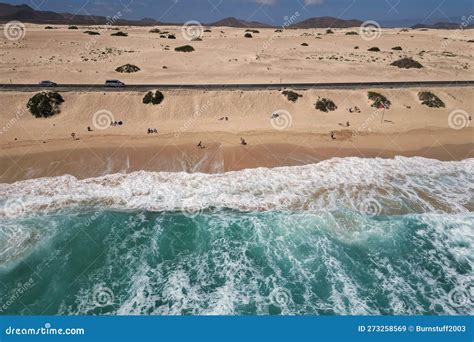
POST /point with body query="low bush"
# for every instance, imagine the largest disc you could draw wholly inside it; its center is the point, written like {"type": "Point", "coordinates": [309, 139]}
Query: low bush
{"type": "Point", "coordinates": [128, 68]}
{"type": "Point", "coordinates": [73, 28]}
{"type": "Point", "coordinates": [329, 31]}
{"type": "Point", "coordinates": [352, 33]}
{"type": "Point", "coordinates": [407, 63]}
{"type": "Point", "coordinates": [48, 28]}
{"type": "Point", "coordinates": [325, 105]}
{"type": "Point", "coordinates": [248, 35]}
{"type": "Point", "coordinates": [378, 100]}
{"type": "Point", "coordinates": [252, 31]}
{"type": "Point", "coordinates": [291, 95]}
{"type": "Point", "coordinates": [92, 33]}
{"type": "Point", "coordinates": [153, 98]}
{"type": "Point", "coordinates": [45, 104]}
{"type": "Point", "coordinates": [184, 48]}
{"type": "Point", "coordinates": [155, 30]}
{"type": "Point", "coordinates": [431, 100]}
{"type": "Point", "coordinates": [374, 49]}
{"type": "Point", "coordinates": [397, 48]}
{"type": "Point", "coordinates": [171, 36]}
{"type": "Point", "coordinates": [304, 44]}
{"type": "Point", "coordinates": [120, 34]}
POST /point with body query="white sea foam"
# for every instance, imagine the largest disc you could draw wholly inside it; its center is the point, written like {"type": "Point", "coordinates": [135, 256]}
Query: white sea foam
{"type": "Point", "coordinates": [371, 186]}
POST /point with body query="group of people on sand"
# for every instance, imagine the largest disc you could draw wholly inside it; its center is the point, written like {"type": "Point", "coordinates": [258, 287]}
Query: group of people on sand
{"type": "Point", "coordinates": [116, 123]}
{"type": "Point", "coordinates": [152, 131]}
{"type": "Point", "coordinates": [243, 142]}
{"type": "Point", "coordinates": [226, 118]}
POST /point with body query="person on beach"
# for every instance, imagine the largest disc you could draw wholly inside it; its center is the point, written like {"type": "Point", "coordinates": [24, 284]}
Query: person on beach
{"type": "Point", "coordinates": [73, 135]}
{"type": "Point", "coordinates": [243, 142]}
{"type": "Point", "coordinates": [333, 136]}
{"type": "Point", "coordinates": [200, 145]}
{"type": "Point", "coordinates": [89, 129]}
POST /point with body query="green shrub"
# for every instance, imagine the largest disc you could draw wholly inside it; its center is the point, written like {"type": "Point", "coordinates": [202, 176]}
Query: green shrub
{"type": "Point", "coordinates": [155, 30]}
{"type": "Point", "coordinates": [407, 63]}
{"type": "Point", "coordinates": [291, 95]}
{"type": "Point", "coordinates": [329, 31]}
{"type": "Point", "coordinates": [325, 105]}
{"type": "Point", "coordinates": [120, 34]}
{"type": "Point", "coordinates": [171, 36]}
{"type": "Point", "coordinates": [248, 35]}
{"type": "Point", "coordinates": [128, 68]}
{"type": "Point", "coordinates": [184, 48]}
{"type": "Point", "coordinates": [252, 31]}
{"type": "Point", "coordinates": [431, 100]}
{"type": "Point", "coordinates": [73, 28]}
{"type": "Point", "coordinates": [397, 48]}
{"type": "Point", "coordinates": [374, 49]}
{"type": "Point", "coordinates": [92, 33]}
{"type": "Point", "coordinates": [154, 99]}
{"type": "Point", "coordinates": [304, 44]}
{"type": "Point", "coordinates": [378, 100]}
{"type": "Point", "coordinates": [48, 28]}
{"type": "Point", "coordinates": [45, 104]}
{"type": "Point", "coordinates": [352, 33]}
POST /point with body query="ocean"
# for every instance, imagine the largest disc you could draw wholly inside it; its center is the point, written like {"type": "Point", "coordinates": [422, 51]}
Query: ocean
{"type": "Point", "coordinates": [346, 236]}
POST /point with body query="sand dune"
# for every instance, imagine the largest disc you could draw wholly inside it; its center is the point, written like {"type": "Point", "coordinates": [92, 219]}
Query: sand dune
{"type": "Point", "coordinates": [225, 56]}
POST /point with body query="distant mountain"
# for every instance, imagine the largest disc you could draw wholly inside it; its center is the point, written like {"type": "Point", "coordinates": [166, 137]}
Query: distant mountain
{"type": "Point", "coordinates": [27, 14]}
{"type": "Point", "coordinates": [234, 22]}
{"type": "Point", "coordinates": [441, 25]}
{"type": "Point", "coordinates": [327, 22]}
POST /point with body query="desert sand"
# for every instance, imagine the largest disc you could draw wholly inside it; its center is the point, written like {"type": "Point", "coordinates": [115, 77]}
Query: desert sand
{"type": "Point", "coordinates": [225, 56]}
{"type": "Point", "coordinates": [301, 134]}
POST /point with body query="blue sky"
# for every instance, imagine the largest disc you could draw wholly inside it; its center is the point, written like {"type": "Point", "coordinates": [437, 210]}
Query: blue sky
{"type": "Point", "coordinates": [269, 11]}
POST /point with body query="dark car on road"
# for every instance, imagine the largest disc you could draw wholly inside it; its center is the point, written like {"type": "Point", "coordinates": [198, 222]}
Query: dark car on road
{"type": "Point", "coordinates": [48, 84]}
{"type": "Point", "coordinates": [114, 83]}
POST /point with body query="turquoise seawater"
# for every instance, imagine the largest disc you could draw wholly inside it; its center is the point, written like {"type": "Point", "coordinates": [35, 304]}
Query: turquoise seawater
{"type": "Point", "coordinates": [89, 251]}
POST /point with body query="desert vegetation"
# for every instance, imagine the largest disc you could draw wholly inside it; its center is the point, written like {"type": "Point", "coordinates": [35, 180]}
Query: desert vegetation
{"type": "Point", "coordinates": [73, 28]}
{"type": "Point", "coordinates": [378, 100]}
{"type": "Point", "coordinates": [329, 31]}
{"type": "Point", "coordinates": [45, 104]}
{"type": "Point", "coordinates": [352, 33]}
{"type": "Point", "coordinates": [374, 49]}
{"type": "Point", "coordinates": [291, 95]}
{"type": "Point", "coordinates": [153, 98]}
{"type": "Point", "coordinates": [92, 33]}
{"type": "Point", "coordinates": [325, 105]}
{"type": "Point", "coordinates": [397, 48]}
{"type": "Point", "coordinates": [128, 68]}
{"type": "Point", "coordinates": [184, 48]}
{"type": "Point", "coordinates": [155, 30]}
{"type": "Point", "coordinates": [407, 63]}
{"type": "Point", "coordinates": [248, 35]}
{"type": "Point", "coordinates": [429, 99]}
{"type": "Point", "coordinates": [119, 34]}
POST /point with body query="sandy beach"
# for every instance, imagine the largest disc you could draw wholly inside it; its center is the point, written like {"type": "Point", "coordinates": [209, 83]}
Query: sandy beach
{"type": "Point", "coordinates": [299, 134]}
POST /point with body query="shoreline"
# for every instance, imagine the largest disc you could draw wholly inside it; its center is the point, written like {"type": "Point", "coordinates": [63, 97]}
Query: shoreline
{"type": "Point", "coordinates": [102, 156]}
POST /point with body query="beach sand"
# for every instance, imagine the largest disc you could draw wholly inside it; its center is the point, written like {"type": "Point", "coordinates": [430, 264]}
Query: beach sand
{"type": "Point", "coordinates": [301, 134]}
